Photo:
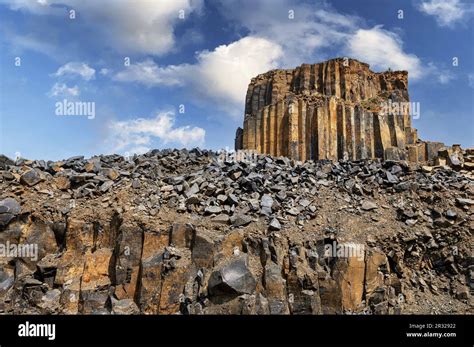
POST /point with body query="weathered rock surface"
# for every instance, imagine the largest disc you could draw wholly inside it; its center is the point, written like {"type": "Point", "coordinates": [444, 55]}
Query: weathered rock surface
{"type": "Point", "coordinates": [337, 109]}
{"type": "Point", "coordinates": [201, 235]}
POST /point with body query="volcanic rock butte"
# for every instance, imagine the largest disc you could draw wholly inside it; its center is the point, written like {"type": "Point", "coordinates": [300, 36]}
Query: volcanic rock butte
{"type": "Point", "coordinates": [331, 110]}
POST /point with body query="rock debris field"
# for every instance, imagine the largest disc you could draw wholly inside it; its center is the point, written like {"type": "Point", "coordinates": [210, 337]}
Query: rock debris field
{"type": "Point", "coordinates": [189, 232]}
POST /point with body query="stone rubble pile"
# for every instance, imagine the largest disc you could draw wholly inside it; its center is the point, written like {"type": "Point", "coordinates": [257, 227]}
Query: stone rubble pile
{"type": "Point", "coordinates": [191, 232]}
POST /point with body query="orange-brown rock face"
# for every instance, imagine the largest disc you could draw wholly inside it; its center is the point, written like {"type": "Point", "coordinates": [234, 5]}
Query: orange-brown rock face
{"type": "Point", "coordinates": [331, 110]}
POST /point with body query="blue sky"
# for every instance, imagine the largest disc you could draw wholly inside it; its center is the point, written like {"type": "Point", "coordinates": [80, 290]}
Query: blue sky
{"type": "Point", "coordinates": [190, 62]}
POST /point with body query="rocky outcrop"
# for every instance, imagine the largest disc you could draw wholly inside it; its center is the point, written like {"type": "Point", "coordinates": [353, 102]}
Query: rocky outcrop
{"type": "Point", "coordinates": [191, 232]}
{"type": "Point", "coordinates": [337, 109]}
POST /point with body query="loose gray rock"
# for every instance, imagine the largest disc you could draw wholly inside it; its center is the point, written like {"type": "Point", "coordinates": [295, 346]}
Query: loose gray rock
{"type": "Point", "coordinates": [266, 202]}
{"type": "Point", "coordinates": [9, 209]}
{"type": "Point", "coordinates": [30, 178]}
{"type": "Point", "coordinates": [274, 224]}
{"type": "Point", "coordinates": [221, 219]}
{"type": "Point", "coordinates": [212, 209]}
{"type": "Point", "coordinates": [240, 220]}
{"type": "Point", "coordinates": [463, 202]}
{"type": "Point", "coordinates": [368, 205]}
{"type": "Point", "coordinates": [234, 279]}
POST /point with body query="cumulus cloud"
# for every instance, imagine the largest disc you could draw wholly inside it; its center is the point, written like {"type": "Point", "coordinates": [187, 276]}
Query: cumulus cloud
{"type": "Point", "coordinates": [282, 34]}
{"type": "Point", "coordinates": [225, 72]}
{"type": "Point", "coordinates": [61, 89]}
{"type": "Point", "coordinates": [383, 49]}
{"type": "Point", "coordinates": [136, 135]}
{"type": "Point", "coordinates": [446, 12]}
{"type": "Point", "coordinates": [316, 28]}
{"type": "Point", "coordinates": [76, 68]}
{"type": "Point", "coordinates": [221, 75]}
{"type": "Point", "coordinates": [145, 27]}
{"type": "Point", "coordinates": [303, 30]}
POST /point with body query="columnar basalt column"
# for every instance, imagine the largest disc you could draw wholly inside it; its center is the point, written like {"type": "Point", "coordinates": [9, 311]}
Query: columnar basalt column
{"type": "Point", "coordinates": [330, 110]}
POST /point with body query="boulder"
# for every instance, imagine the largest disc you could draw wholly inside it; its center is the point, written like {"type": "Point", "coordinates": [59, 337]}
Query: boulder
{"type": "Point", "coordinates": [232, 279]}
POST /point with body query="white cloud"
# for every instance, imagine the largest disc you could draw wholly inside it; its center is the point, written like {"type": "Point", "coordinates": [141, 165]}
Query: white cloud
{"type": "Point", "coordinates": [302, 30]}
{"type": "Point", "coordinates": [470, 79]}
{"type": "Point", "coordinates": [220, 76]}
{"type": "Point", "coordinates": [446, 12]}
{"type": "Point", "coordinates": [445, 77]}
{"type": "Point", "coordinates": [36, 7]}
{"type": "Point", "coordinates": [130, 27]}
{"type": "Point", "coordinates": [383, 49]}
{"type": "Point", "coordinates": [317, 29]}
{"type": "Point", "coordinates": [439, 73]}
{"type": "Point", "coordinates": [104, 71]}
{"type": "Point", "coordinates": [76, 68]}
{"type": "Point", "coordinates": [224, 73]}
{"type": "Point", "coordinates": [150, 74]}
{"type": "Point", "coordinates": [61, 89]}
{"type": "Point", "coordinates": [137, 134]}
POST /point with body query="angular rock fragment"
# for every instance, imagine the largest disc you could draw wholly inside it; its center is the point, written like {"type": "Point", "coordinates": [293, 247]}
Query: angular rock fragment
{"type": "Point", "coordinates": [213, 209]}
{"type": "Point", "coordinates": [368, 205]}
{"type": "Point", "coordinates": [30, 178]}
{"type": "Point", "coordinates": [274, 224]}
{"type": "Point", "coordinates": [221, 219]}
{"type": "Point", "coordinates": [240, 220]}
{"type": "Point", "coordinates": [233, 278]}
{"type": "Point", "coordinates": [266, 203]}
{"type": "Point", "coordinates": [9, 209]}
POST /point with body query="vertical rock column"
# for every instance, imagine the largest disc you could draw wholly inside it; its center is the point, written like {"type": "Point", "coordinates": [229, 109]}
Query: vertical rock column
{"type": "Point", "coordinates": [308, 133]}
{"type": "Point", "coordinates": [341, 131]}
{"type": "Point", "coordinates": [357, 131]}
{"type": "Point", "coordinates": [264, 136]}
{"type": "Point", "coordinates": [246, 132]}
{"type": "Point", "coordinates": [350, 133]}
{"type": "Point", "coordinates": [302, 130]}
{"type": "Point", "coordinates": [314, 133]}
{"type": "Point", "coordinates": [382, 138]}
{"type": "Point", "coordinates": [332, 125]}
{"type": "Point", "coordinates": [251, 132]}
{"type": "Point", "coordinates": [258, 131]}
{"type": "Point", "coordinates": [369, 134]}
{"type": "Point", "coordinates": [272, 130]}
{"type": "Point", "coordinates": [293, 148]}
{"type": "Point", "coordinates": [238, 139]}
{"type": "Point", "coordinates": [322, 132]}
{"type": "Point", "coordinates": [337, 79]}
{"type": "Point", "coordinates": [281, 126]}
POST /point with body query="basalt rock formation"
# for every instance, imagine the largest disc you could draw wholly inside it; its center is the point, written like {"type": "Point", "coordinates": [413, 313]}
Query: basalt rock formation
{"type": "Point", "coordinates": [337, 109]}
{"type": "Point", "coordinates": [198, 232]}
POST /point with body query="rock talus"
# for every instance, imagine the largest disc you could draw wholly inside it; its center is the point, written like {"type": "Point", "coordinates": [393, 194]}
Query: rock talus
{"type": "Point", "coordinates": [191, 232]}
